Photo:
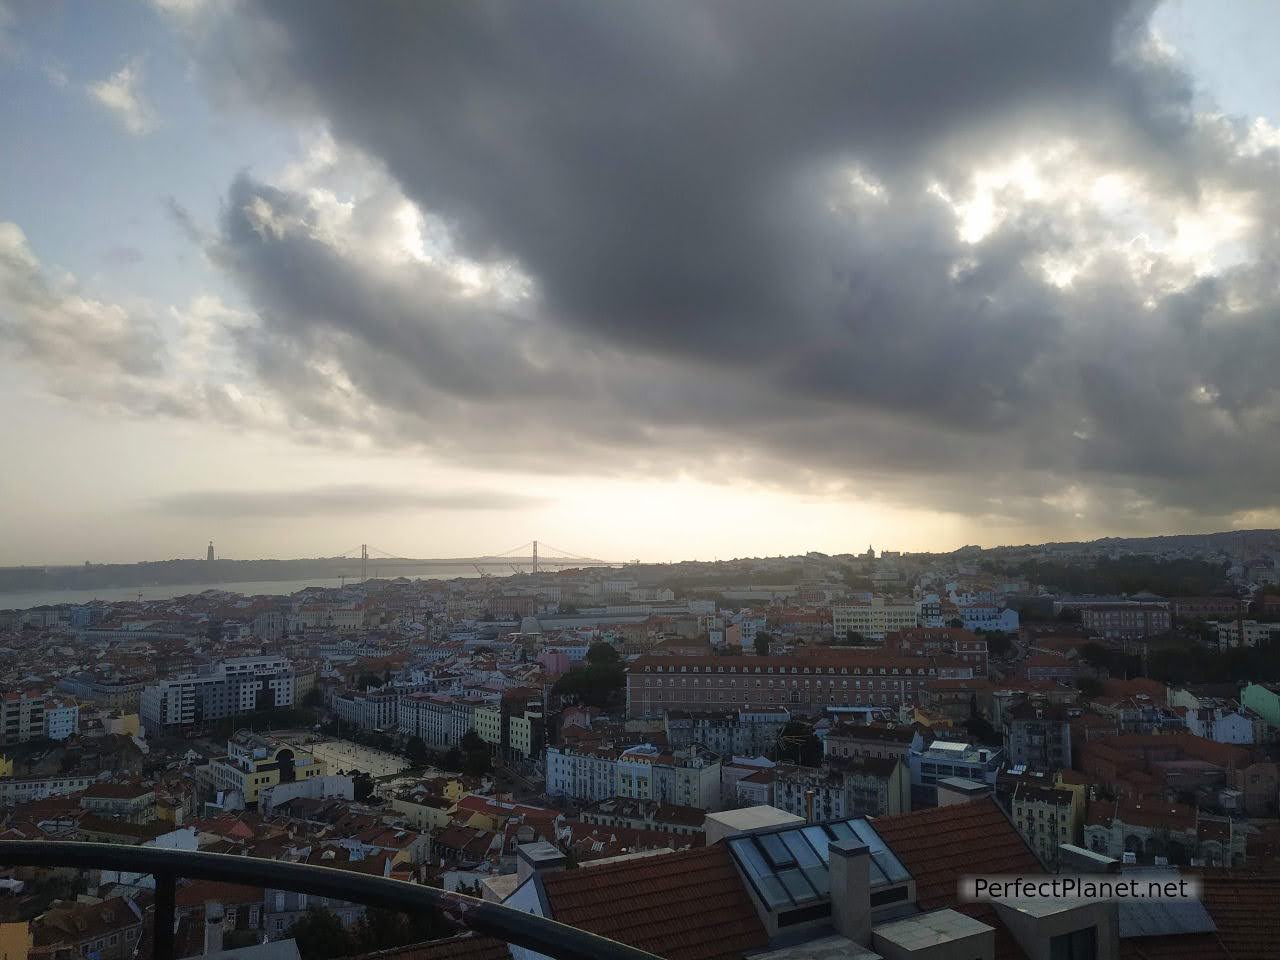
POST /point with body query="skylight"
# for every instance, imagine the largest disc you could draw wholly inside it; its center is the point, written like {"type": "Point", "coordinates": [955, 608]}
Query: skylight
{"type": "Point", "coordinates": [790, 867]}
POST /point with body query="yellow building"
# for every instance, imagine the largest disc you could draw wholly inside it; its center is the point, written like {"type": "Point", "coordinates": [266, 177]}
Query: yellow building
{"type": "Point", "coordinates": [524, 733]}
{"type": "Point", "coordinates": [873, 619]}
{"type": "Point", "coordinates": [15, 940]}
{"type": "Point", "coordinates": [488, 724]}
{"type": "Point", "coordinates": [6, 766]}
{"type": "Point", "coordinates": [125, 724]}
{"type": "Point", "coordinates": [253, 763]}
{"type": "Point", "coordinates": [424, 812]}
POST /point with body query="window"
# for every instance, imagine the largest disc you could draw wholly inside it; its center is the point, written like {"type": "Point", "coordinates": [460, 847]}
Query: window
{"type": "Point", "coordinates": [1076, 945]}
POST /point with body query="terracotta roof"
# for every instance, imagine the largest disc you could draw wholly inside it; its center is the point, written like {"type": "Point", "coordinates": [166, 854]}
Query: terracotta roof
{"type": "Point", "coordinates": [465, 947]}
{"type": "Point", "coordinates": [1244, 908]}
{"type": "Point", "coordinates": [681, 906]}
{"type": "Point", "coordinates": [940, 845]}
{"type": "Point", "coordinates": [195, 893]}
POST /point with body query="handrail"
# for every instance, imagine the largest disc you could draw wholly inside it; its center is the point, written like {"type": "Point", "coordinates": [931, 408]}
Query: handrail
{"type": "Point", "coordinates": [548, 937]}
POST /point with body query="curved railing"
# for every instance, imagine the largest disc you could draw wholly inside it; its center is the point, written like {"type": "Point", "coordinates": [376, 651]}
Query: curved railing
{"type": "Point", "coordinates": [513, 926]}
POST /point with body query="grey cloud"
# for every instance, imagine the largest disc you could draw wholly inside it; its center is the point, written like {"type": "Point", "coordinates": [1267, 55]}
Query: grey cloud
{"type": "Point", "coordinates": [335, 500]}
{"type": "Point", "coordinates": [662, 172]}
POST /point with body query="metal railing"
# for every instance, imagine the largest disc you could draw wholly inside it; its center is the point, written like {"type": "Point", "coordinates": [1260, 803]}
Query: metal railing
{"type": "Point", "coordinates": [491, 919]}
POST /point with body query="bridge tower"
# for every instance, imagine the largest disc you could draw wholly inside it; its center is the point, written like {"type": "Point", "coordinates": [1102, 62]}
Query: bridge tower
{"type": "Point", "coordinates": [364, 560]}
{"type": "Point", "coordinates": [535, 556]}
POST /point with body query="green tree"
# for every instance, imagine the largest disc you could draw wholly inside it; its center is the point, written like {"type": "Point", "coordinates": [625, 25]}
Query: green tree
{"type": "Point", "coordinates": [761, 643]}
{"type": "Point", "coordinates": [602, 654]}
{"type": "Point", "coordinates": [321, 936]}
{"type": "Point", "coordinates": [313, 698]}
{"type": "Point", "coordinates": [367, 680]}
{"type": "Point", "coordinates": [599, 682]}
{"type": "Point", "coordinates": [415, 748]}
{"type": "Point", "coordinates": [475, 754]}
{"type": "Point", "coordinates": [1090, 686]}
{"type": "Point", "coordinates": [386, 929]}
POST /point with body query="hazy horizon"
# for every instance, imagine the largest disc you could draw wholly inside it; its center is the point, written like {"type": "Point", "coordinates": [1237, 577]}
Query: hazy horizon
{"type": "Point", "coordinates": [658, 281]}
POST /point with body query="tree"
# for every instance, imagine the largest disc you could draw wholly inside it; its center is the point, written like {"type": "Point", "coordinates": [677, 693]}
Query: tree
{"type": "Point", "coordinates": [602, 654]}
{"type": "Point", "coordinates": [367, 680]}
{"type": "Point", "coordinates": [762, 642]}
{"type": "Point", "coordinates": [999, 644]}
{"type": "Point", "coordinates": [362, 785]}
{"type": "Point", "coordinates": [415, 748]}
{"type": "Point", "coordinates": [797, 743]}
{"type": "Point", "coordinates": [385, 929]}
{"type": "Point", "coordinates": [475, 754]}
{"type": "Point", "coordinates": [955, 623]}
{"type": "Point", "coordinates": [313, 698]}
{"type": "Point", "coordinates": [1069, 615]}
{"type": "Point", "coordinates": [1090, 686]}
{"type": "Point", "coordinates": [321, 936]}
{"type": "Point", "coordinates": [851, 638]}
{"type": "Point", "coordinates": [599, 682]}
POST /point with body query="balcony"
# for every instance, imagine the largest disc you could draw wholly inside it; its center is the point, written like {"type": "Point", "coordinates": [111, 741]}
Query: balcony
{"type": "Point", "coordinates": [533, 932]}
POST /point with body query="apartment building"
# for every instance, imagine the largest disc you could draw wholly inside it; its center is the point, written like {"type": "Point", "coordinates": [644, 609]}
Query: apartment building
{"type": "Point", "coordinates": [1243, 633]}
{"type": "Point", "coordinates": [111, 693]}
{"type": "Point", "coordinates": [954, 643]}
{"type": "Point", "coordinates": [131, 802]}
{"type": "Point", "coordinates": [803, 684]}
{"type": "Point", "coordinates": [870, 742]}
{"type": "Point", "coordinates": [371, 710]}
{"type": "Point", "coordinates": [874, 619]}
{"type": "Point", "coordinates": [1047, 818]}
{"type": "Point", "coordinates": [224, 689]}
{"type": "Point", "coordinates": [738, 733]}
{"type": "Point", "coordinates": [21, 717]}
{"type": "Point", "coordinates": [15, 790]}
{"type": "Point", "coordinates": [689, 778]}
{"type": "Point", "coordinates": [843, 788]}
{"type": "Point", "coordinates": [1038, 735]}
{"type": "Point", "coordinates": [1206, 608]}
{"type": "Point", "coordinates": [1126, 619]}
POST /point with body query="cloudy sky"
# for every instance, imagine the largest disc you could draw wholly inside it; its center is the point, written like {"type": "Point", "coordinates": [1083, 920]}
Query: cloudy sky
{"type": "Point", "coordinates": [654, 280]}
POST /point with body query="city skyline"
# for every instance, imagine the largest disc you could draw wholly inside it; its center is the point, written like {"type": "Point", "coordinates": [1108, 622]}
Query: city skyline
{"type": "Point", "coordinates": [668, 283]}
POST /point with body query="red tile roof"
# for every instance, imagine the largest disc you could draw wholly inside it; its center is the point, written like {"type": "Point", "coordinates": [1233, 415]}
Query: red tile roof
{"type": "Point", "coordinates": [1245, 910]}
{"type": "Point", "coordinates": [939, 846]}
{"type": "Point", "coordinates": [681, 906]}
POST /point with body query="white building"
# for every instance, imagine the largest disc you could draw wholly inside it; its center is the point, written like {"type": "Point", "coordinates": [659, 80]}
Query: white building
{"type": "Point", "coordinates": [689, 778]}
{"type": "Point", "coordinates": [61, 719]}
{"type": "Point", "coordinates": [1243, 633]}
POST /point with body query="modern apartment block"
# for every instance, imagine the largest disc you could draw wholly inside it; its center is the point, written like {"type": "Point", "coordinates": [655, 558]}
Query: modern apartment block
{"type": "Point", "coordinates": [21, 717]}
{"type": "Point", "coordinates": [225, 689]}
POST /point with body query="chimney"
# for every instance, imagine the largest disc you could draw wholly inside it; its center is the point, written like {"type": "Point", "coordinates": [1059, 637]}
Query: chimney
{"type": "Point", "coordinates": [851, 890]}
{"type": "Point", "coordinates": [540, 857]}
{"type": "Point", "coordinates": [213, 922]}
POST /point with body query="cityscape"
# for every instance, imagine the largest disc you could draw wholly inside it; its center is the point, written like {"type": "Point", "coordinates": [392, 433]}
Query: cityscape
{"type": "Point", "coordinates": [639, 480]}
{"type": "Point", "coordinates": [673, 756]}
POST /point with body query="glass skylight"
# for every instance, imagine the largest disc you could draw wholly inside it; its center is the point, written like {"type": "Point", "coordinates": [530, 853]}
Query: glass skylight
{"type": "Point", "coordinates": [790, 867]}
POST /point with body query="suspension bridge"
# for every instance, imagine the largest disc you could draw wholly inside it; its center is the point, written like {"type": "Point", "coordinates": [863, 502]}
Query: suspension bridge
{"type": "Point", "coordinates": [530, 557]}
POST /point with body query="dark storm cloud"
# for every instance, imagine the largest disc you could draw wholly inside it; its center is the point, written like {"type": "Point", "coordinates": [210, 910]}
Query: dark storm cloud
{"type": "Point", "coordinates": [664, 175]}
{"type": "Point", "coordinates": [327, 501]}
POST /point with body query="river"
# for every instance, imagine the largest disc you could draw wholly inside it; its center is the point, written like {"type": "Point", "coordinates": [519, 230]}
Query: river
{"type": "Point", "coordinates": [22, 599]}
